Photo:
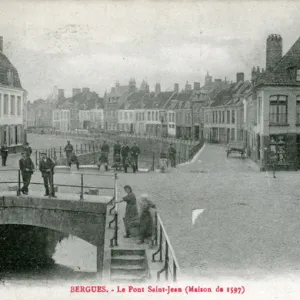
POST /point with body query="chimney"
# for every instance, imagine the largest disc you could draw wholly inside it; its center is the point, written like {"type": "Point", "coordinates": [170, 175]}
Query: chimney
{"type": "Point", "coordinates": [176, 88]}
{"type": "Point", "coordinates": [75, 91]}
{"type": "Point", "coordinates": [157, 88]}
{"type": "Point", "coordinates": [1, 44]}
{"type": "Point", "coordinates": [196, 86]}
{"type": "Point", "coordinates": [85, 89]}
{"type": "Point", "coordinates": [274, 51]}
{"type": "Point", "coordinates": [187, 87]}
{"type": "Point", "coordinates": [240, 77]}
{"type": "Point", "coordinates": [61, 94]}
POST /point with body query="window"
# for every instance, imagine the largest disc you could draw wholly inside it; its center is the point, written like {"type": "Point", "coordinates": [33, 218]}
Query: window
{"type": "Point", "coordinates": [130, 115]}
{"type": "Point", "coordinates": [156, 117]}
{"type": "Point", "coordinates": [149, 116]}
{"type": "Point", "coordinates": [228, 116]}
{"type": "Point", "coordinates": [153, 116]}
{"type": "Point", "coordinates": [12, 105]}
{"type": "Point", "coordinates": [298, 110]}
{"type": "Point", "coordinates": [10, 77]}
{"type": "Point", "coordinates": [278, 109]}
{"type": "Point", "coordinates": [232, 116]}
{"type": "Point", "coordinates": [298, 75]}
{"type": "Point", "coordinates": [223, 116]}
{"type": "Point", "coordinates": [5, 104]}
{"type": "Point", "coordinates": [278, 147]}
{"type": "Point", "coordinates": [220, 121]}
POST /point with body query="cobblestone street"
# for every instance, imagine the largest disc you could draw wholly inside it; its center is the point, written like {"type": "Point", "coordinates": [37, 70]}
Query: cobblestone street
{"type": "Point", "coordinates": [250, 221]}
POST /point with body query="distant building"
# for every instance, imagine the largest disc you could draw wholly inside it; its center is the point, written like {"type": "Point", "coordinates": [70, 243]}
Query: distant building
{"type": "Point", "coordinates": [12, 104]}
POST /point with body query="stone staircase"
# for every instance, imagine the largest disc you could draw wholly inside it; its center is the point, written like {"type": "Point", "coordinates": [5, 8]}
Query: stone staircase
{"type": "Point", "coordinates": [128, 266]}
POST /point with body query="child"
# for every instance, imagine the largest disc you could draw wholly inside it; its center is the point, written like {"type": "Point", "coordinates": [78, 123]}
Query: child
{"type": "Point", "coordinates": [103, 160]}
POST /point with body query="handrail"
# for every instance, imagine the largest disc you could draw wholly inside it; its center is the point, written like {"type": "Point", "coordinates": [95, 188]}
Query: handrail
{"type": "Point", "coordinates": [114, 239]}
{"type": "Point", "coordinates": [168, 250]}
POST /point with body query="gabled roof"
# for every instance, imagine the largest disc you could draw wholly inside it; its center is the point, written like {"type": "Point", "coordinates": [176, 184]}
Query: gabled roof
{"type": "Point", "coordinates": [285, 71]}
{"type": "Point", "coordinates": [5, 66]}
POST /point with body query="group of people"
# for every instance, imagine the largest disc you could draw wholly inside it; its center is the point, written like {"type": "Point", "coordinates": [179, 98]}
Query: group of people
{"type": "Point", "coordinates": [124, 156]}
{"type": "Point", "coordinates": [170, 155]}
{"type": "Point", "coordinates": [133, 219]}
{"type": "Point", "coordinates": [46, 167]}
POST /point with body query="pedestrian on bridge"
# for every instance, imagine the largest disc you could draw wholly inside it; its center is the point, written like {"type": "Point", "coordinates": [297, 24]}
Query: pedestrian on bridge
{"type": "Point", "coordinates": [103, 160]}
{"type": "Point", "coordinates": [74, 160]}
{"type": "Point", "coordinates": [131, 218]}
{"type": "Point", "coordinates": [69, 150]}
{"type": "Point", "coordinates": [125, 150]}
{"type": "Point", "coordinates": [105, 149]}
{"type": "Point", "coordinates": [4, 154]}
{"type": "Point", "coordinates": [26, 167]}
{"type": "Point", "coordinates": [47, 170]}
{"type": "Point", "coordinates": [135, 152]}
{"type": "Point", "coordinates": [27, 149]}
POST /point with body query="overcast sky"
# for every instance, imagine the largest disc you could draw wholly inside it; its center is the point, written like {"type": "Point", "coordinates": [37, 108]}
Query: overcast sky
{"type": "Point", "coordinates": [94, 43]}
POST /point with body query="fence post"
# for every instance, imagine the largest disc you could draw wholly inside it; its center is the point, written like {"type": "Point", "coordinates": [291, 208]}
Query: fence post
{"type": "Point", "coordinates": [81, 188]}
{"type": "Point", "coordinates": [19, 183]}
{"type": "Point", "coordinates": [153, 161]}
{"type": "Point", "coordinates": [81, 149]}
{"type": "Point", "coordinates": [167, 261]}
{"type": "Point", "coordinates": [60, 152]}
{"type": "Point", "coordinates": [76, 150]}
{"type": "Point", "coordinates": [36, 159]}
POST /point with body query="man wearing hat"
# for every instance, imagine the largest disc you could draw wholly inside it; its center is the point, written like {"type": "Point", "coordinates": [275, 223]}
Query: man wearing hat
{"type": "Point", "coordinates": [47, 170]}
{"type": "Point", "coordinates": [69, 150]}
{"type": "Point", "coordinates": [172, 155]}
{"type": "Point", "coordinates": [27, 149]}
{"type": "Point", "coordinates": [135, 152]}
{"type": "Point", "coordinates": [26, 167]}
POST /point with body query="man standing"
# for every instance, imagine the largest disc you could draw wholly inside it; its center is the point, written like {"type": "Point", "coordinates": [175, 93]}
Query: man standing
{"type": "Point", "coordinates": [69, 150]}
{"type": "Point", "coordinates": [47, 170]}
{"type": "Point", "coordinates": [74, 160]}
{"type": "Point", "coordinates": [4, 154]}
{"type": "Point", "coordinates": [135, 152]}
{"type": "Point", "coordinates": [172, 155]}
{"type": "Point", "coordinates": [117, 149]}
{"type": "Point", "coordinates": [27, 149]}
{"type": "Point", "coordinates": [125, 152]}
{"type": "Point", "coordinates": [26, 166]}
{"type": "Point", "coordinates": [105, 149]}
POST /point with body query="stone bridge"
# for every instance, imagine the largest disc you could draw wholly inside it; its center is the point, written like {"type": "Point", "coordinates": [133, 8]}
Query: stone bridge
{"type": "Point", "coordinates": [83, 219]}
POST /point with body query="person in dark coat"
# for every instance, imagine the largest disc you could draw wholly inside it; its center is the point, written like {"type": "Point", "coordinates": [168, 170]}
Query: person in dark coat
{"type": "Point", "coordinates": [117, 148]}
{"type": "Point", "coordinates": [27, 167]}
{"type": "Point", "coordinates": [131, 218]}
{"type": "Point", "coordinates": [4, 154]}
{"type": "Point", "coordinates": [103, 160]}
{"type": "Point", "coordinates": [69, 150]}
{"type": "Point", "coordinates": [27, 149]}
{"type": "Point", "coordinates": [135, 152]}
{"type": "Point", "coordinates": [125, 152]}
{"type": "Point", "coordinates": [47, 170]}
{"type": "Point", "coordinates": [74, 160]}
{"type": "Point", "coordinates": [105, 148]}
{"type": "Point", "coordinates": [146, 221]}
{"type": "Point", "coordinates": [172, 155]}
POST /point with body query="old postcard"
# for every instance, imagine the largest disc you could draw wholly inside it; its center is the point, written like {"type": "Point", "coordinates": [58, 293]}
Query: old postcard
{"type": "Point", "coordinates": [149, 149]}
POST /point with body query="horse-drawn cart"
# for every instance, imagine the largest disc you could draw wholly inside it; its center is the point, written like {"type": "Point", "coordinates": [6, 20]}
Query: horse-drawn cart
{"type": "Point", "coordinates": [236, 147]}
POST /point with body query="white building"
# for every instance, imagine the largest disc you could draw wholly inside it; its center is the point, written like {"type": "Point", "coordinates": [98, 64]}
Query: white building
{"type": "Point", "coordinates": [126, 120]}
{"type": "Point", "coordinates": [61, 119]}
{"type": "Point", "coordinates": [12, 98]}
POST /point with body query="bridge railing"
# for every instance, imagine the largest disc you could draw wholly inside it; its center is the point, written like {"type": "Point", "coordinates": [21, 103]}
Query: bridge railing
{"type": "Point", "coordinates": [114, 211]}
{"type": "Point", "coordinates": [14, 176]}
{"type": "Point", "coordinates": [165, 251]}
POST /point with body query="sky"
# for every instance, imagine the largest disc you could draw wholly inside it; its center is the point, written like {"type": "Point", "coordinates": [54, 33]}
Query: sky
{"type": "Point", "coordinates": [75, 44]}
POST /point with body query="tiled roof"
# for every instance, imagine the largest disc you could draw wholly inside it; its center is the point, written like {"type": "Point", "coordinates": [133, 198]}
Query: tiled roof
{"type": "Point", "coordinates": [285, 71]}
{"type": "Point", "coordinates": [81, 101]}
{"type": "Point", "coordinates": [5, 66]}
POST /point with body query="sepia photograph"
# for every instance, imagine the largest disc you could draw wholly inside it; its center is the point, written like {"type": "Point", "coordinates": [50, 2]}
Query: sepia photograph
{"type": "Point", "coordinates": [149, 149]}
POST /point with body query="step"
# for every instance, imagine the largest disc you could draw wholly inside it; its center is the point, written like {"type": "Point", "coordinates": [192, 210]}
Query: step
{"type": "Point", "coordinates": [127, 278]}
{"type": "Point", "coordinates": [119, 252]}
{"type": "Point", "coordinates": [129, 257]}
{"type": "Point", "coordinates": [128, 267]}
{"type": "Point", "coordinates": [132, 272]}
{"type": "Point", "coordinates": [121, 261]}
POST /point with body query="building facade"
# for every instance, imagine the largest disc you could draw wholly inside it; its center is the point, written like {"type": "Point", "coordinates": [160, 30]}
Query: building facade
{"type": "Point", "coordinates": [12, 101]}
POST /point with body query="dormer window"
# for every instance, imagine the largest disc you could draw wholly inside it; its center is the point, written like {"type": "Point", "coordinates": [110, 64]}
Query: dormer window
{"type": "Point", "coordinates": [298, 75]}
{"type": "Point", "coordinates": [10, 77]}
